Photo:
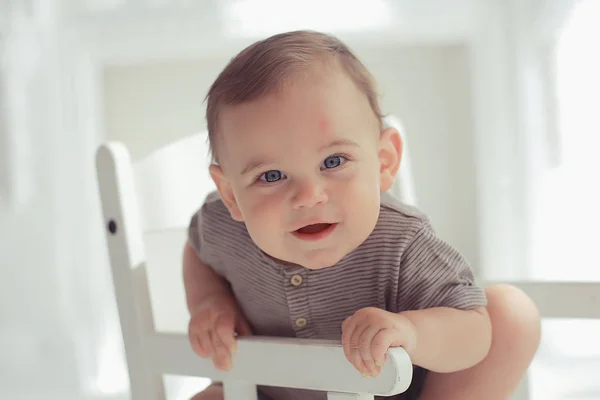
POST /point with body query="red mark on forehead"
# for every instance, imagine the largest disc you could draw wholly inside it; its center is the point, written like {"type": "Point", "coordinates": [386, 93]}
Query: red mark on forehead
{"type": "Point", "coordinates": [324, 124]}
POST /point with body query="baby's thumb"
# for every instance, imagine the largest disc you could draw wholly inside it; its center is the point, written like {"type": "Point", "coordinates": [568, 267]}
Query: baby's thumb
{"type": "Point", "coordinates": [242, 327]}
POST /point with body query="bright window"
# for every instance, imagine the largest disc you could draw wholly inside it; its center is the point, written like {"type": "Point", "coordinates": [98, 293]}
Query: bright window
{"type": "Point", "coordinates": [567, 214]}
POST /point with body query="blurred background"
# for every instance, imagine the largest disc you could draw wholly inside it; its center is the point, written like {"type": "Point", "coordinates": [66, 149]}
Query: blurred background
{"type": "Point", "coordinates": [500, 100]}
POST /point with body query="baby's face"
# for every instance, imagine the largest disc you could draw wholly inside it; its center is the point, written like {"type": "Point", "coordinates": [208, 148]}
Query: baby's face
{"type": "Point", "coordinates": [302, 169]}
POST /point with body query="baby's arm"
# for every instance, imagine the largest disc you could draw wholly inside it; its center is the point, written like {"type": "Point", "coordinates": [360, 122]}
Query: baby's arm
{"type": "Point", "coordinates": [448, 339]}
{"type": "Point", "coordinates": [445, 327]}
{"type": "Point", "coordinates": [440, 339]}
{"type": "Point", "coordinates": [215, 314]}
{"type": "Point", "coordinates": [442, 301]}
{"type": "Point", "coordinates": [200, 281]}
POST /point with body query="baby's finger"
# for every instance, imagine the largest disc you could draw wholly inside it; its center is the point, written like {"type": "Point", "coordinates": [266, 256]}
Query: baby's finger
{"type": "Point", "coordinates": [347, 329]}
{"type": "Point", "coordinates": [224, 331]}
{"type": "Point", "coordinates": [205, 339]}
{"type": "Point", "coordinates": [355, 344]}
{"type": "Point", "coordinates": [222, 358]}
{"type": "Point", "coordinates": [381, 343]}
{"type": "Point", "coordinates": [196, 345]}
{"type": "Point", "coordinates": [199, 339]}
{"type": "Point", "coordinates": [358, 363]}
{"type": "Point", "coordinates": [364, 348]}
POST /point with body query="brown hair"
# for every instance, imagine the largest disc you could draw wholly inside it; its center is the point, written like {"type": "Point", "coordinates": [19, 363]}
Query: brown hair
{"type": "Point", "coordinates": [269, 64]}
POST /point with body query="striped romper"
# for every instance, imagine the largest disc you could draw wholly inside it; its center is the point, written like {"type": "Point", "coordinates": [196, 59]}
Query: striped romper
{"type": "Point", "coordinates": [401, 266]}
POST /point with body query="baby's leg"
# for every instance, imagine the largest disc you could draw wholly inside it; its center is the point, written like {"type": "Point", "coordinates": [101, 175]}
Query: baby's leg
{"type": "Point", "coordinates": [515, 339]}
{"type": "Point", "coordinates": [213, 392]}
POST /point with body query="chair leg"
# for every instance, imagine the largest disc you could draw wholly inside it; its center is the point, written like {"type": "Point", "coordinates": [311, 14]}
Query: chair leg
{"type": "Point", "coordinates": [349, 396]}
{"type": "Point", "coordinates": [233, 390]}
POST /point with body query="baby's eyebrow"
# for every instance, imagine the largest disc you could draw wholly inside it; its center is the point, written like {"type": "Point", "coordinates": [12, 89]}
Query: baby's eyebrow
{"type": "Point", "coordinates": [260, 163]}
{"type": "Point", "coordinates": [255, 164]}
{"type": "Point", "coordinates": [339, 142]}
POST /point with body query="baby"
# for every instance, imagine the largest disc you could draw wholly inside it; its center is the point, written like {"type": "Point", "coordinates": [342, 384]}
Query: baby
{"type": "Point", "coordinates": [302, 239]}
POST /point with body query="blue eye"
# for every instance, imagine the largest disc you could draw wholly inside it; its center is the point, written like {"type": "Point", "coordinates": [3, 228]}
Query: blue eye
{"type": "Point", "coordinates": [333, 162]}
{"type": "Point", "coordinates": [272, 176]}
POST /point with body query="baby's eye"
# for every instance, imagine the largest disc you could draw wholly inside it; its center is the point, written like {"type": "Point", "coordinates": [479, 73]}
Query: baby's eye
{"type": "Point", "coordinates": [333, 162]}
{"type": "Point", "coordinates": [272, 176]}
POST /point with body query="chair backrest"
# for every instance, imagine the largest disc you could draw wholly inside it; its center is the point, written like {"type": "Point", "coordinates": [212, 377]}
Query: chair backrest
{"type": "Point", "coordinates": [147, 207]}
{"type": "Point", "coordinates": [171, 183]}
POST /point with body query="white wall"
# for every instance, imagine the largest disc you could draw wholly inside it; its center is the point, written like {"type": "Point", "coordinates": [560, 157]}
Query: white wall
{"type": "Point", "coordinates": [428, 88]}
{"type": "Point", "coordinates": [152, 104]}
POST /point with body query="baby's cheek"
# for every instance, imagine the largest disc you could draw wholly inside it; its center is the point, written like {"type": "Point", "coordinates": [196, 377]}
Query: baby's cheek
{"type": "Point", "coordinates": [253, 202]}
{"type": "Point", "coordinates": [264, 214]}
{"type": "Point", "coordinates": [260, 225]}
{"type": "Point", "coordinates": [362, 183]}
{"type": "Point", "coordinates": [363, 191]}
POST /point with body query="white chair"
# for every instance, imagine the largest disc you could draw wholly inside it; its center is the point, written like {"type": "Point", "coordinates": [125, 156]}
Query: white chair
{"type": "Point", "coordinates": [147, 207]}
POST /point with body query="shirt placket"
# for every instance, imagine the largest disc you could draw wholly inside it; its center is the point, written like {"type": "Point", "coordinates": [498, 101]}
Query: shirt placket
{"type": "Point", "coordinates": [296, 290]}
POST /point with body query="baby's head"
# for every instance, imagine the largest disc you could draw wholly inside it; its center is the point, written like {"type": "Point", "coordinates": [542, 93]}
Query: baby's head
{"type": "Point", "coordinates": [300, 152]}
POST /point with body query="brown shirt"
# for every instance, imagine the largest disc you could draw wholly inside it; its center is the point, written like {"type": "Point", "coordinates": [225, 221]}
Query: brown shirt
{"type": "Point", "coordinates": [401, 266]}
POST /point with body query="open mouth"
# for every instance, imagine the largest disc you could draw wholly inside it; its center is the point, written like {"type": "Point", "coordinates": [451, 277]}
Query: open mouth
{"type": "Point", "coordinates": [314, 228]}
{"type": "Point", "coordinates": [315, 231]}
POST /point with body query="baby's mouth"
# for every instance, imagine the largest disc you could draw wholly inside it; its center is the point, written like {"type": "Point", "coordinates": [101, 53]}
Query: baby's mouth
{"type": "Point", "coordinates": [313, 228]}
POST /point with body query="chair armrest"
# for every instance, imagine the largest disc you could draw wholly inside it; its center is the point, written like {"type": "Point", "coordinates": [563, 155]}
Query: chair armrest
{"type": "Point", "coordinates": [284, 362]}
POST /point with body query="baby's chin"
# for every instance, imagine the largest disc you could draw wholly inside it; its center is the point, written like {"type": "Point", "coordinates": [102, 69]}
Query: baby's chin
{"type": "Point", "coordinates": [313, 261]}
{"type": "Point", "coordinates": [319, 260]}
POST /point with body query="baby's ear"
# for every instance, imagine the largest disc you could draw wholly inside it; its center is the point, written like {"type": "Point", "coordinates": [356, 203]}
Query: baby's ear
{"type": "Point", "coordinates": [390, 154]}
{"type": "Point", "coordinates": [226, 192]}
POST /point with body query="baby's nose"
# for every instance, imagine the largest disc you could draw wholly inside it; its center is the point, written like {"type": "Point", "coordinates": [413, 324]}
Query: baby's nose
{"type": "Point", "coordinates": [309, 194]}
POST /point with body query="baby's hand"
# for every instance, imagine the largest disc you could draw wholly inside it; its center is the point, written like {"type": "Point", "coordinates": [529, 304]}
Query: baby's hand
{"type": "Point", "coordinates": [212, 327]}
{"type": "Point", "coordinates": [367, 335]}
